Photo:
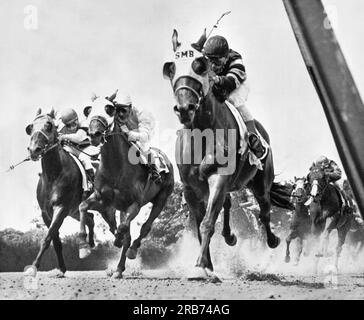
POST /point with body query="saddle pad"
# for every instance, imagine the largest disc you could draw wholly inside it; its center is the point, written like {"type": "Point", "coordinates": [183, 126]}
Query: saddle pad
{"type": "Point", "coordinates": [85, 186]}
{"type": "Point", "coordinates": [253, 159]}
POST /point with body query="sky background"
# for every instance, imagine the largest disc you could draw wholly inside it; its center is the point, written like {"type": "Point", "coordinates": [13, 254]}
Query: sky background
{"type": "Point", "coordinates": [81, 46]}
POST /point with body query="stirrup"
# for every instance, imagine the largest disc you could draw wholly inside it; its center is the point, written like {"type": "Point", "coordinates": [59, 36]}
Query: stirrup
{"type": "Point", "coordinates": [254, 143]}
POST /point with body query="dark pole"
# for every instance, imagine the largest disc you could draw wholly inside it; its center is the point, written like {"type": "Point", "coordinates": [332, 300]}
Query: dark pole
{"type": "Point", "coordinates": [334, 84]}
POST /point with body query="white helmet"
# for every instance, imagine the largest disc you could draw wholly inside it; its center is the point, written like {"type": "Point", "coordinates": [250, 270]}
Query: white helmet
{"type": "Point", "coordinates": [124, 100]}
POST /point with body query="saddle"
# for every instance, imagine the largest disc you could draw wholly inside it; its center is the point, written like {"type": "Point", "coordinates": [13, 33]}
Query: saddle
{"type": "Point", "coordinates": [253, 159]}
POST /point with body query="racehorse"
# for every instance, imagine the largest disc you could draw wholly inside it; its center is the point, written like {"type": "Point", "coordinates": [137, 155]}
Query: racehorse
{"type": "Point", "coordinates": [326, 203]}
{"type": "Point", "coordinates": [124, 184]}
{"type": "Point", "coordinates": [301, 222]}
{"type": "Point", "coordinates": [206, 178]}
{"type": "Point", "coordinates": [59, 190]}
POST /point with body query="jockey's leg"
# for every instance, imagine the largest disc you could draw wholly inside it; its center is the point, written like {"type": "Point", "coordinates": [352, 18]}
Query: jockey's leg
{"type": "Point", "coordinates": [149, 160]}
{"type": "Point", "coordinates": [238, 98]}
{"type": "Point", "coordinates": [86, 161]}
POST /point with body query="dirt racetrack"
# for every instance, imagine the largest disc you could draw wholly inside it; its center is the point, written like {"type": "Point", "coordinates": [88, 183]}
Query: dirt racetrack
{"type": "Point", "coordinates": [246, 272]}
{"type": "Point", "coordinates": [97, 285]}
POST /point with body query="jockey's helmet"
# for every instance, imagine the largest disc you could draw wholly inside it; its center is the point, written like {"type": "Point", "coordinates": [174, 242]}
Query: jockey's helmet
{"type": "Point", "coordinates": [322, 161]}
{"type": "Point", "coordinates": [125, 100]}
{"type": "Point", "coordinates": [216, 47]}
{"type": "Point", "coordinates": [68, 116]}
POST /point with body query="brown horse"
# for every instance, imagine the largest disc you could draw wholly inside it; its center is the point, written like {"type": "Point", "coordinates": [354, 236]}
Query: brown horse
{"type": "Point", "coordinates": [124, 184]}
{"type": "Point", "coordinates": [59, 190]}
{"type": "Point", "coordinates": [301, 222]}
{"type": "Point", "coordinates": [208, 176]}
{"type": "Point", "coordinates": [327, 211]}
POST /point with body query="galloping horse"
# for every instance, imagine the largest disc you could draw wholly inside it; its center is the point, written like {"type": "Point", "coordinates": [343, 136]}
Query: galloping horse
{"type": "Point", "coordinates": [59, 190]}
{"type": "Point", "coordinates": [301, 221]}
{"type": "Point", "coordinates": [123, 184]}
{"type": "Point", "coordinates": [325, 203]}
{"type": "Point", "coordinates": [206, 178]}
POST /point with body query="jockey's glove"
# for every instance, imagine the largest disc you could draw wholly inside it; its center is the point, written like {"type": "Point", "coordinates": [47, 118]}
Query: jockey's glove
{"type": "Point", "coordinates": [219, 92]}
{"type": "Point", "coordinates": [133, 136]}
{"type": "Point", "coordinates": [217, 80]}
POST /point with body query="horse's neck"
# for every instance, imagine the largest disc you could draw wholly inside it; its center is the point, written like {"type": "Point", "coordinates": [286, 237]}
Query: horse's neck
{"type": "Point", "coordinates": [114, 155]}
{"type": "Point", "coordinates": [301, 209]}
{"type": "Point", "coordinates": [52, 164]}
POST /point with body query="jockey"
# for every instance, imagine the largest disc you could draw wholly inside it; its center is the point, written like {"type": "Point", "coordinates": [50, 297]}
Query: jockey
{"type": "Point", "coordinates": [230, 83]}
{"type": "Point", "coordinates": [331, 169]}
{"type": "Point", "coordinates": [71, 130]}
{"type": "Point", "coordinates": [139, 126]}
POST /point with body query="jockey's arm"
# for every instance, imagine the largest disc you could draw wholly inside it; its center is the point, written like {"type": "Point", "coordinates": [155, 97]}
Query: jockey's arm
{"type": "Point", "coordinates": [78, 137]}
{"type": "Point", "coordinates": [234, 77]}
{"type": "Point", "coordinates": [145, 127]}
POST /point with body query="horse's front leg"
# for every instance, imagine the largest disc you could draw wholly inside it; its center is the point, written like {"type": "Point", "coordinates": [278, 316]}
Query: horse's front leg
{"type": "Point", "coordinates": [217, 191]}
{"type": "Point", "coordinates": [59, 213]}
{"type": "Point", "coordinates": [324, 242]}
{"type": "Point", "coordinates": [230, 237]}
{"type": "Point", "coordinates": [84, 248]}
{"type": "Point", "coordinates": [158, 205]}
{"type": "Point", "coordinates": [123, 232]}
{"type": "Point", "coordinates": [291, 236]}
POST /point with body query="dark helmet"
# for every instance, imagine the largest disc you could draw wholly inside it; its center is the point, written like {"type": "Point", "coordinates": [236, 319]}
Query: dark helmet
{"type": "Point", "coordinates": [68, 116]}
{"type": "Point", "coordinates": [216, 47]}
{"type": "Point", "coordinates": [322, 161]}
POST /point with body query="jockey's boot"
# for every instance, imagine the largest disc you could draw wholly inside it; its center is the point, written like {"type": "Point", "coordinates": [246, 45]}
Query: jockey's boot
{"type": "Point", "coordinates": [90, 175]}
{"type": "Point", "coordinates": [254, 142]}
{"type": "Point", "coordinates": [155, 175]}
{"type": "Point", "coordinates": [91, 178]}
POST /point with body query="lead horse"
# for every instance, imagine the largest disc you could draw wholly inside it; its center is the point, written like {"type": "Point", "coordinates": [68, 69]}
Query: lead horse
{"type": "Point", "coordinates": [207, 182]}
{"type": "Point", "coordinates": [59, 190]}
{"type": "Point", "coordinates": [124, 184]}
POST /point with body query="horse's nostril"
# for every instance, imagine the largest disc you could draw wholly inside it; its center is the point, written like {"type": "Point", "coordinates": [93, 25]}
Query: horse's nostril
{"type": "Point", "coordinates": [191, 107]}
{"type": "Point", "coordinates": [37, 150]}
{"type": "Point", "coordinates": [175, 108]}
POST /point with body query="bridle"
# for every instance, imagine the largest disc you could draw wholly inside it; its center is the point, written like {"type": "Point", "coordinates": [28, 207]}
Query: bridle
{"type": "Point", "coordinates": [198, 93]}
{"type": "Point", "coordinates": [48, 146]}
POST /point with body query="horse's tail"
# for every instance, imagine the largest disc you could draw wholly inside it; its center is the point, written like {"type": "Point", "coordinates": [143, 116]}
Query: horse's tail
{"type": "Point", "coordinates": [280, 196]}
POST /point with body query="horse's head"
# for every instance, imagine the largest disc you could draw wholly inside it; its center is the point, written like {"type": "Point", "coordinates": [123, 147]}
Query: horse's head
{"type": "Point", "coordinates": [43, 134]}
{"type": "Point", "coordinates": [188, 74]}
{"type": "Point", "coordinates": [299, 193]}
{"type": "Point", "coordinates": [100, 120]}
{"type": "Point", "coordinates": [97, 129]}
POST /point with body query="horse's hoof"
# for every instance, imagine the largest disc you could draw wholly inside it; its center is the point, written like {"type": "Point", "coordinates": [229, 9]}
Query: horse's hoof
{"type": "Point", "coordinates": [213, 278]}
{"type": "Point", "coordinates": [117, 275]}
{"type": "Point", "coordinates": [198, 273]}
{"type": "Point", "coordinates": [274, 242]}
{"type": "Point", "coordinates": [92, 244]}
{"type": "Point", "coordinates": [287, 259]}
{"type": "Point", "coordinates": [231, 240]}
{"type": "Point", "coordinates": [109, 272]}
{"type": "Point", "coordinates": [118, 242]}
{"type": "Point", "coordinates": [131, 254]}
{"type": "Point", "coordinates": [84, 252]}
